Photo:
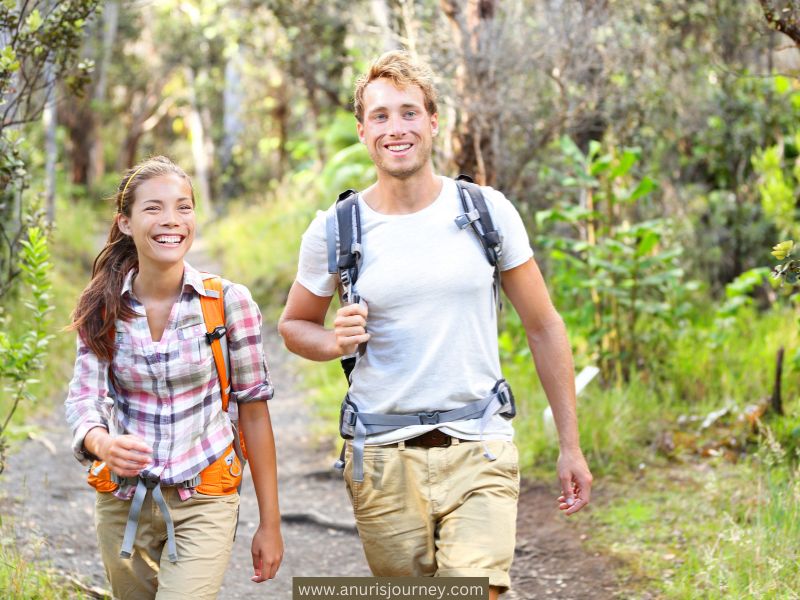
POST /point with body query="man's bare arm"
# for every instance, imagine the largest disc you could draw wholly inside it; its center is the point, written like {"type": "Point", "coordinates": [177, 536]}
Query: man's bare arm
{"type": "Point", "coordinates": [547, 338]}
{"type": "Point", "coordinates": [302, 326]}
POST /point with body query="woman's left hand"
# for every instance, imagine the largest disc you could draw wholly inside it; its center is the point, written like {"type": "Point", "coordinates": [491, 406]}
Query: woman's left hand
{"type": "Point", "coordinates": [267, 551]}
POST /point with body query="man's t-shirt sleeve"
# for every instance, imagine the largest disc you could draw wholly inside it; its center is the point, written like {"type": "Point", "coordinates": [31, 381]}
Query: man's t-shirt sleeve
{"type": "Point", "coordinates": [312, 270]}
{"type": "Point", "coordinates": [516, 246]}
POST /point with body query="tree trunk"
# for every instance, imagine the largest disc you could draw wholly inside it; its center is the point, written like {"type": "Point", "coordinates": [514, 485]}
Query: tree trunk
{"type": "Point", "coordinates": [232, 123]}
{"type": "Point", "coordinates": [381, 14]}
{"type": "Point", "coordinates": [202, 184]}
{"type": "Point", "coordinates": [473, 148]}
{"type": "Point", "coordinates": [281, 113]}
{"type": "Point", "coordinates": [97, 164]}
{"type": "Point", "coordinates": [49, 122]}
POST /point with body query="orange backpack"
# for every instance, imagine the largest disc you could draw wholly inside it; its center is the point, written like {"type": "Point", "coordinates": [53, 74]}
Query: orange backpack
{"type": "Point", "coordinates": [223, 476]}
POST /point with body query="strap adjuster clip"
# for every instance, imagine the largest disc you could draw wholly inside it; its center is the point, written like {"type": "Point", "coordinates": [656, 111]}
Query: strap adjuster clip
{"type": "Point", "coordinates": [465, 220]}
{"type": "Point", "coordinates": [350, 417]}
{"type": "Point", "coordinates": [429, 418]}
{"type": "Point", "coordinates": [218, 333]}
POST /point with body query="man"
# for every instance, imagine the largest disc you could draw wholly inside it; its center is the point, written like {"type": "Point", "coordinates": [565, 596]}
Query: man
{"type": "Point", "coordinates": [436, 498]}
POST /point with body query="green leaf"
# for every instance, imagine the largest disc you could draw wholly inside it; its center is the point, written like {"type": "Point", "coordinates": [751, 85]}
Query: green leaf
{"type": "Point", "coordinates": [629, 158]}
{"type": "Point", "coordinates": [34, 20]}
{"type": "Point", "coordinates": [647, 243]}
{"type": "Point", "coordinates": [645, 186]}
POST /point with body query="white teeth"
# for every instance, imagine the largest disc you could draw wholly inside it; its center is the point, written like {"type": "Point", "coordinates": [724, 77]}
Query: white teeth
{"type": "Point", "coordinates": [169, 239]}
{"type": "Point", "coordinates": [399, 148]}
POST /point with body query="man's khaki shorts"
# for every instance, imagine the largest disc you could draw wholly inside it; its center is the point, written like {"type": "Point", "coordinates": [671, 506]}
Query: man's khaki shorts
{"type": "Point", "coordinates": [204, 528]}
{"type": "Point", "coordinates": [447, 512]}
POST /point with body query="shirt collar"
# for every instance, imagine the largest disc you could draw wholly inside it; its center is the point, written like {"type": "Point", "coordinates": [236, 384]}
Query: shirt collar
{"type": "Point", "coordinates": [191, 277]}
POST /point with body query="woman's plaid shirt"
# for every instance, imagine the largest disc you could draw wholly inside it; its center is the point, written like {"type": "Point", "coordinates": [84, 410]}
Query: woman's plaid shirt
{"type": "Point", "coordinates": [168, 392]}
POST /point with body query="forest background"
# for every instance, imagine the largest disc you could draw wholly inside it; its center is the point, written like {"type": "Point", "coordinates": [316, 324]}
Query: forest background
{"type": "Point", "coordinates": [652, 148]}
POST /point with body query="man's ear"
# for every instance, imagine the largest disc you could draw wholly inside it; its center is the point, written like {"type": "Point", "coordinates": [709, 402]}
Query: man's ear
{"type": "Point", "coordinates": [124, 224]}
{"type": "Point", "coordinates": [360, 131]}
{"type": "Point", "coordinates": [435, 123]}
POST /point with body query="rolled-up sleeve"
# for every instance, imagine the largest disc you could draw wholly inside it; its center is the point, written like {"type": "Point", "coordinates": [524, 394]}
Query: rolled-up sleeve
{"type": "Point", "coordinates": [86, 403]}
{"type": "Point", "coordinates": [250, 381]}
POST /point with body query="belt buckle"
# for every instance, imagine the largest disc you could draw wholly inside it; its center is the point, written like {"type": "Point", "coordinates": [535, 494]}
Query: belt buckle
{"type": "Point", "coordinates": [436, 438]}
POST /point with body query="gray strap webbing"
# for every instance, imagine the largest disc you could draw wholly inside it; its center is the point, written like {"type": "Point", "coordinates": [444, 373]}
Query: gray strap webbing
{"type": "Point", "coordinates": [330, 236]}
{"type": "Point", "coordinates": [172, 550]}
{"type": "Point", "coordinates": [133, 521]}
{"type": "Point", "coordinates": [370, 423]}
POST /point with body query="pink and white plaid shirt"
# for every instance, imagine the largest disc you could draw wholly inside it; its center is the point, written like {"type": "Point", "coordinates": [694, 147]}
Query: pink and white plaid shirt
{"type": "Point", "coordinates": [168, 392]}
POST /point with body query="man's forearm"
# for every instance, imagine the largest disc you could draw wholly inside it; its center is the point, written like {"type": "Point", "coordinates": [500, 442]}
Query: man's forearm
{"type": "Point", "coordinates": [553, 357]}
{"type": "Point", "coordinates": [309, 340]}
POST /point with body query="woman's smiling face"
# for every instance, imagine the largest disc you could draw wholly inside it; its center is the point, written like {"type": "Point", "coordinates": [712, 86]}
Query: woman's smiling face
{"type": "Point", "coordinates": [162, 220]}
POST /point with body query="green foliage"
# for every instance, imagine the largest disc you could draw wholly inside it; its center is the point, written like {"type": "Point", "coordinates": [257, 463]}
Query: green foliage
{"type": "Point", "coordinates": [42, 42]}
{"type": "Point", "coordinates": [739, 292]}
{"type": "Point", "coordinates": [36, 35]}
{"type": "Point", "coordinates": [789, 270]}
{"type": "Point", "coordinates": [624, 274]}
{"type": "Point", "coordinates": [779, 180]}
{"type": "Point", "coordinates": [21, 357]}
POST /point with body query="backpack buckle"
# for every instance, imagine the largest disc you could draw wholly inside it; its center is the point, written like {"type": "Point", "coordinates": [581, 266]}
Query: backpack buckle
{"type": "Point", "coordinates": [349, 417]}
{"type": "Point", "coordinates": [429, 418]}
{"type": "Point", "coordinates": [465, 220]}
{"type": "Point", "coordinates": [218, 333]}
{"type": "Point", "coordinates": [150, 481]}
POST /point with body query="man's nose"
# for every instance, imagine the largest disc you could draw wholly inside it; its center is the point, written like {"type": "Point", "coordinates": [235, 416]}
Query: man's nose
{"type": "Point", "coordinates": [396, 125]}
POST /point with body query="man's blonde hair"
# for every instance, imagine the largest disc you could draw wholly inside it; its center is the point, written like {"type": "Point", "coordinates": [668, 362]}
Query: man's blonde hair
{"type": "Point", "coordinates": [402, 70]}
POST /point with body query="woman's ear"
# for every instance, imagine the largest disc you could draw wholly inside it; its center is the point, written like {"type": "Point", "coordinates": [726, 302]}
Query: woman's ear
{"type": "Point", "coordinates": [124, 224]}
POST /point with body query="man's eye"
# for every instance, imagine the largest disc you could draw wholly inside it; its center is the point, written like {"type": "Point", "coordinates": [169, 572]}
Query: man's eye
{"type": "Point", "coordinates": [410, 114]}
{"type": "Point", "coordinates": [380, 117]}
{"type": "Point", "coordinates": [185, 207]}
{"type": "Point", "coordinates": [151, 208]}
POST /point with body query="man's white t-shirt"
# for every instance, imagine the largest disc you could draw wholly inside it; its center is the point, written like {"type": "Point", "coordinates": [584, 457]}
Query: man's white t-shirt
{"type": "Point", "coordinates": [432, 315]}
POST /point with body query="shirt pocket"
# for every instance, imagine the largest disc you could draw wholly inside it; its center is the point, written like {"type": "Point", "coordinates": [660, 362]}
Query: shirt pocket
{"type": "Point", "coordinates": [129, 365]}
{"type": "Point", "coordinates": [192, 345]}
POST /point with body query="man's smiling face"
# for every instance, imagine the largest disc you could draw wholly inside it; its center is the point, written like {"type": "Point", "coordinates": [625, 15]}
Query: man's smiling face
{"type": "Point", "coordinates": [397, 129]}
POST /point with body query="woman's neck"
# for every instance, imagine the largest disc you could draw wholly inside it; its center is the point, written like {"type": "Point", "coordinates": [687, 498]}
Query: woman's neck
{"type": "Point", "coordinates": [158, 283]}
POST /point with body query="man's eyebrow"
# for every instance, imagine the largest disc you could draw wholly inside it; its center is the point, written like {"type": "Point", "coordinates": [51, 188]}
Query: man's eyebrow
{"type": "Point", "coordinates": [402, 106]}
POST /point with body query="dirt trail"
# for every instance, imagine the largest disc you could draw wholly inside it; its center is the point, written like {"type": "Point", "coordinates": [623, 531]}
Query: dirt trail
{"type": "Point", "coordinates": [45, 500]}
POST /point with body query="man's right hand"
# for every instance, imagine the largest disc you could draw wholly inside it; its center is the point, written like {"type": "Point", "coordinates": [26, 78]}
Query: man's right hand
{"type": "Point", "coordinates": [125, 455]}
{"type": "Point", "coordinates": [350, 328]}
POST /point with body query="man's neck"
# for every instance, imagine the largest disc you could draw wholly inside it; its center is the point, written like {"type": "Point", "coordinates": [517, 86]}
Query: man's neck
{"type": "Point", "coordinates": [158, 284]}
{"type": "Point", "coordinates": [394, 196]}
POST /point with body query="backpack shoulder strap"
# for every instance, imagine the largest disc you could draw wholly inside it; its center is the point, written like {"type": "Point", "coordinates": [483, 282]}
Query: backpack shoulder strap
{"type": "Point", "coordinates": [344, 224]}
{"type": "Point", "coordinates": [213, 305]}
{"type": "Point", "coordinates": [477, 215]}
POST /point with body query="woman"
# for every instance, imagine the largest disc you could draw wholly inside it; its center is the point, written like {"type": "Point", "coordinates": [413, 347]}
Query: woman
{"type": "Point", "coordinates": [145, 402]}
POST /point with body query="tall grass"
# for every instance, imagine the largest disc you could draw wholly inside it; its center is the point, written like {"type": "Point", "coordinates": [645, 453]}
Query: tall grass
{"type": "Point", "coordinates": [24, 579]}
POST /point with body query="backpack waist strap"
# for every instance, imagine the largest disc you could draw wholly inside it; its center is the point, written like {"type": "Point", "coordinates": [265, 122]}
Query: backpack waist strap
{"type": "Point", "coordinates": [359, 425]}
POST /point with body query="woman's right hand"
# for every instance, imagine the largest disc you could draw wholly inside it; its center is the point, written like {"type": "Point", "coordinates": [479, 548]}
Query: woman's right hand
{"type": "Point", "coordinates": [126, 455]}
